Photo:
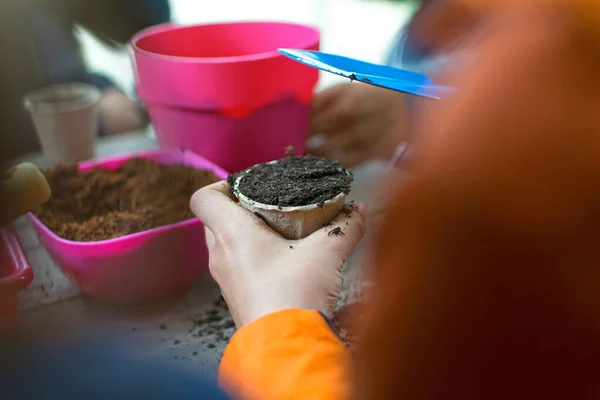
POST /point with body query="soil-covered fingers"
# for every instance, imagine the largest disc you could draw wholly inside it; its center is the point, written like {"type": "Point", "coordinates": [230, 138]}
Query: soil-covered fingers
{"type": "Point", "coordinates": [344, 232]}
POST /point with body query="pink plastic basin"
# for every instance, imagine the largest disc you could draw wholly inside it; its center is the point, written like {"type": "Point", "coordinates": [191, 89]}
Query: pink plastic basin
{"type": "Point", "coordinates": [139, 268]}
{"type": "Point", "coordinates": [15, 275]}
{"type": "Point", "coordinates": [223, 90]}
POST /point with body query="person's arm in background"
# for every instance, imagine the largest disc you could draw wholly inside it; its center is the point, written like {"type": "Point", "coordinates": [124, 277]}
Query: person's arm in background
{"type": "Point", "coordinates": [278, 292]}
{"type": "Point", "coordinates": [420, 47]}
{"type": "Point", "coordinates": [114, 23]}
{"type": "Point", "coordinates": [355, 123]}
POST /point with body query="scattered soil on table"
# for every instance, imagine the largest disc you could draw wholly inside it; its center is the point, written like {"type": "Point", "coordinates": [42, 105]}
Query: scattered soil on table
{"type": "Point", "coordinates": [216, 325]}
{"type": "Point", "coordinates": [294, 181]}
{"type": "Point", "coordinates": [100, 204]}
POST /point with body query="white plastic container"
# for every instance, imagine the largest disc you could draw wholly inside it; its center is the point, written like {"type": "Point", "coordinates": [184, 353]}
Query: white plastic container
{"type": "Point", "coordinates": [66, 120]}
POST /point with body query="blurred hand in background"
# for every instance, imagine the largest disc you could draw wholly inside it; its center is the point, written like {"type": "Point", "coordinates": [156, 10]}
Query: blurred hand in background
{"type": "Point", "coordinates": [354, 122]}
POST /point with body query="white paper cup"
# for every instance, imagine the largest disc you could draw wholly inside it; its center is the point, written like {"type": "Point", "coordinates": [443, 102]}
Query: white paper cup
{"type": "Point", "coordinates": [292, 223]}
{"type": "Point", "coordinates": [66, 120]}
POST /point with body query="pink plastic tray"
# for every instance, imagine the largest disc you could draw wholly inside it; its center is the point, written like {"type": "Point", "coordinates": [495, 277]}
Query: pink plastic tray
{"type": "Point", "coordinates": [142, 267]}
{"type": "Point", "coordinates": [15, 275]}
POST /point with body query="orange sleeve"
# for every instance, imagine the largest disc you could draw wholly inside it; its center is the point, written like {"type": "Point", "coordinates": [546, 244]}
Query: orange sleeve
{"type": "Point", "coordinates": [291, 354]}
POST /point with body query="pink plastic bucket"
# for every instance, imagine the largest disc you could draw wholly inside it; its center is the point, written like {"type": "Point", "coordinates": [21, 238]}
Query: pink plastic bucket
{"type": "Point", "coordinates": [142, 267]}
{"type": "Point", "coordinates": [223, 90]}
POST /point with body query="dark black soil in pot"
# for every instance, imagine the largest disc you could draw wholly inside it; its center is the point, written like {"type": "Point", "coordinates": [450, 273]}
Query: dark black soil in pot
{"type": "Point", "coordinates": [294, 181]}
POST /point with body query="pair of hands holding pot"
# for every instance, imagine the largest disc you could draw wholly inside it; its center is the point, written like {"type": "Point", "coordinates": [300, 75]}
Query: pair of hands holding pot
{"type": "Point", "coordinates": [259, 271]}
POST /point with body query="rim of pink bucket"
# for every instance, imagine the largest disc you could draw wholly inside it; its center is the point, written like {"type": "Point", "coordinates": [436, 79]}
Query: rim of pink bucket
{"type": "Point", "coordinates": [312, 40]}
{"type": "Point", "coordinates": [192, 221]}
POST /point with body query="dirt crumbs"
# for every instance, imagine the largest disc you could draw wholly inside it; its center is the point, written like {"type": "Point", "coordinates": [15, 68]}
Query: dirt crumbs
{"type": "Point", "coordinates": [336, 232]}
{"type": "Point", "coordinates": [215, 327]}
{"type": "Point", "coordinates": [350, 207]}
{"type": "Point", "coordinates": [295, 181]}
{"type": "Point", "coordinates": [100, 204]}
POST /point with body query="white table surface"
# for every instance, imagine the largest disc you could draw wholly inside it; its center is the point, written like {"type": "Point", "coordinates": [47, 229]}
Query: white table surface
{"type": "Point", "coordinates": [54, 308]}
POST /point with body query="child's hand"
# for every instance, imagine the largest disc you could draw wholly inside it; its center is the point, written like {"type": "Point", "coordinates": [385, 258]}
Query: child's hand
{"type": "Point", "coordinates": [353, 123]}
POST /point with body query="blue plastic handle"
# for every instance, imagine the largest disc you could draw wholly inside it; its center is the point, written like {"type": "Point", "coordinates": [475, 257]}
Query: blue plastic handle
{"type": "Point", "coordinates": [373, 74]}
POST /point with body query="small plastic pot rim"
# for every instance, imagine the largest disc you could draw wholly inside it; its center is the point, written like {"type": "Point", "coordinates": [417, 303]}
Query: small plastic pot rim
{"type": "Point", "coordinates": [88, 99]}
{"type": "Point", "coordinates": [243, 198]}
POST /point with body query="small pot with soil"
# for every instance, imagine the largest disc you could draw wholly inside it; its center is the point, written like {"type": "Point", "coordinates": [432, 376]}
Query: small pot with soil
{"type": "Point", "coordinates": [295, 196]}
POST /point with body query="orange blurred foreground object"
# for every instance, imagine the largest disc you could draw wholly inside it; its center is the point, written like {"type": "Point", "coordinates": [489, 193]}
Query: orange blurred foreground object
{"type": "Point", "coordinates": [487, 266]}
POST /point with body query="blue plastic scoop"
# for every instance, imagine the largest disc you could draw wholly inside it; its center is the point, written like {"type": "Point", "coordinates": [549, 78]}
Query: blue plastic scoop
{"type": "Point", "coordinates": [373, 74]}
